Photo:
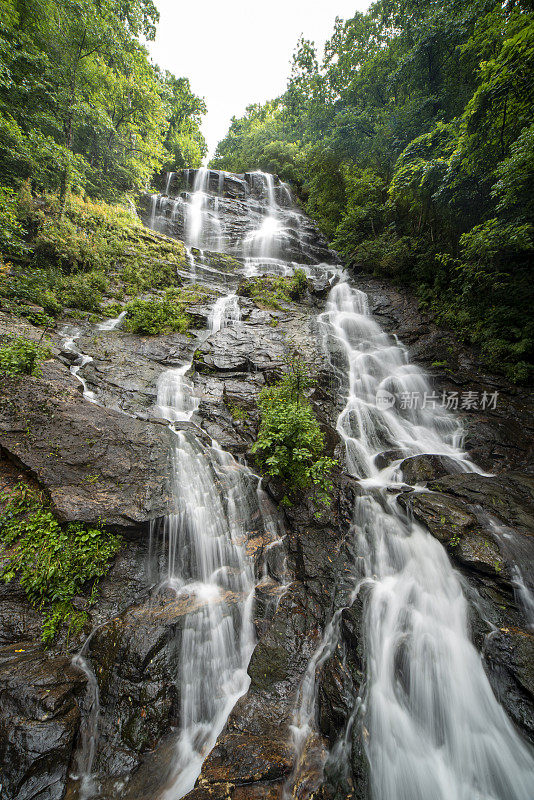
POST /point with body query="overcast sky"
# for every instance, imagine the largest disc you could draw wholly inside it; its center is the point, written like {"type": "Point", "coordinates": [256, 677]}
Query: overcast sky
{"type": "Point", "coordinates": [237, 52]}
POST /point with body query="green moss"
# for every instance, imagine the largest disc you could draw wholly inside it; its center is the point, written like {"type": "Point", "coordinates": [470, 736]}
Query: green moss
{"type": "Point", "coordinates": [190, 295]}
{"type": "Point", "coordinates": [220, 261]}
{"type": "Point", "coordinates": [155, 317]}
{"type": "Point", "coordinates": [237, 412]}
{"type": "Point", "coordinates": [55, 563]}
{"type": "Point", "coordinates": [274, 291]}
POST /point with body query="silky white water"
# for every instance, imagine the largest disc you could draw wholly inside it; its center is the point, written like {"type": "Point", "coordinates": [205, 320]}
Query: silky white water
{"type": "Point", "coordinates": [434, 727]}
{"type": "Point", "coordinates": [207, 564]}
{"type": "Point", "coordinates": [225, 312]}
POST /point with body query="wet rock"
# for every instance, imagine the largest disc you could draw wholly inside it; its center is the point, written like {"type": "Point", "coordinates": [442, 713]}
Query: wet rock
{"type": "Point", "coordinates": [39, 717]}
{"type": "Point", "coordinates": [383, 460]}
{"type": "Point", "coordinates": [125, 368]}
{"type": "Point", "coordinates": [135, 657]}
{"type": "Point", "coordinates": [420, 469]}
{"type": "Point", "coordinates": [456, 527]}
{"type": "Point", "coordinates": [509, 655]}
{"type": "Point", "coordinates": [95, 464]}
{"type": "Point", "coordinates": [240, 349]}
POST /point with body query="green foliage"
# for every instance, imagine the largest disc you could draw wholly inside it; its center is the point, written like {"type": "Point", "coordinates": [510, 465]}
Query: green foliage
{"type": "Point", "coordinates": [290, 443]}
{"type": "Point", "coordinates": [239, 414]}
{"type": "Point", "coordinates": [55, 563]}
{"type": "Point", "coordinates": [155, 317]}
{"type": "Point", "coordinates": [81, 104]}
{"type": "Point", "coordinates": [167, 314]}
{"type": "Point", "coordinates": [11, 231]}
{"type": "Point", "coordinates": [412, 145]}
{"type": "Point", "coordinates": [23, 357]}
{"type": "Point", "coordinates": [271, 292]}
{"type": "Point", "coordinates": [95, 250]}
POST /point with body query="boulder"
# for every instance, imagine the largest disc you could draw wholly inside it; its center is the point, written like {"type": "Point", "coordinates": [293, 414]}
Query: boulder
{"type": "Point", "coordinates": [39, 718]}
{"type": "Point", "coordinates": [96, 465]}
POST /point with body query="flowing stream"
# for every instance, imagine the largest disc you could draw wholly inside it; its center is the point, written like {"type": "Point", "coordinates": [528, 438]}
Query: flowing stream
{"type": "Point", "coordinates": [434, 729]}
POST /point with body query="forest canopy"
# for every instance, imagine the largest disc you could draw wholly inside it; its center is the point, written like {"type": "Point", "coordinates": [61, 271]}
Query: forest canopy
{"type": "Point", "coordinates": [81, 104]}
{"type": "Point", "coordinates": [411, 142]}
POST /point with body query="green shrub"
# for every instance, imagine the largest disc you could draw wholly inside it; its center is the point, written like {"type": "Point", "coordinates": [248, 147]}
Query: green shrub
{"type": "Point", "coordinates": [54, 562]}
{"type": "Point", "coordinates": [82, 292]}
{"type": "Point", "coordinates": [23, 357]}
{"type": "Point", "coordinates": [290, 443]}
{"type": "Point", "coordinates": [32, 314]}
{"type": "Point", "coordinates": [270, 291]}
{"type": "Point", "coordinates": [298, 284]}
{"type": "Point", "coordinates": [11, 230]}
{"type": "Point", "coordinates": [37, 287]}
{"type": "Point", "coordinates": [112, 310]}
{"type": "Point", "coordinates": [155, 317]}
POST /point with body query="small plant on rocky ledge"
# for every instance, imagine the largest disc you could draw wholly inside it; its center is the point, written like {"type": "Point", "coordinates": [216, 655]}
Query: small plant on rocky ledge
{"type": "Point", "coordinates": [156, 317]}
{"type": "Point", "coordinates": [269, 291]}
{"type": "Point", "coordinates": [23, 357]}
{"type": "Point", "coordinates": [290, 443]}
{"type": "Point", "coordinates": [238, 414]}
{"type": "Point", "coordinates": [55, 563]}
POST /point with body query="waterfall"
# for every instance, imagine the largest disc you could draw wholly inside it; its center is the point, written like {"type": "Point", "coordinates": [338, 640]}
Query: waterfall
{"type": "Point", "coordinates": [196, 209]}
{"type": "Point", "coordinates": [266, 241]}
{"type": "Point", "coordinates": [224, 312]}
{"type": "Point", "coordinates": [431, 725]}
{"type": "Point", "coordinates": [176, 401]}
{"type": "Point", "coordinates": [435, 728]}
{"type": "Point", "coordinates": [207, 565]}
{"type": "Point", "coordinates": [170, 176]}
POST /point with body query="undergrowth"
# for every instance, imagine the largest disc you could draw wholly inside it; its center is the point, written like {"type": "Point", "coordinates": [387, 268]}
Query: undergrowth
{"type": "Point", "coordinates": [55, 563]}
{"type": "Point", "coordinates": [271, 291]}
{"type": "Point", "coordinates": [23, 357]}
{"type": "Point", "coordinates": [290, 444]}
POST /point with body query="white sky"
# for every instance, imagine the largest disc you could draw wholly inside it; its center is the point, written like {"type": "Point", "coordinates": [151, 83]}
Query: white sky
{"type": "Point", "coordinates": [237, 52]}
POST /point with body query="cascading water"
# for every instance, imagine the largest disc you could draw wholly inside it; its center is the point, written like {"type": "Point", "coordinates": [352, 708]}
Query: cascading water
{"type": "Point", "coordinates": [225, 312]}
{"type": "Point", "coordinates": [206, 560]}
{"type": "Point", "coordinates": [267, 240]}
{"type": "Point", "coordinates": [434, 728]}
{"type": "Point", "coordinates": [207, 565]}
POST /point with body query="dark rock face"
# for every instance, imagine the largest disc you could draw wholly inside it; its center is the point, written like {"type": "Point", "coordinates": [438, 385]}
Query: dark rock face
{"type": "Point", "coordinates": [95, 464]}
{"type": "Point", "coordinates": [125, 368]}
{"type": "Point", "coordinates": [421, 469]}
{"type": "Point", "coordinates": [39, 718]}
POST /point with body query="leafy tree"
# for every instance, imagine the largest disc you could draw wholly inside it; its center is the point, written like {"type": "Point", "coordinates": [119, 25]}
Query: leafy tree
{"type": "Point", "coordinates": [82, 106]}
{"type": "Point", "coordinates": [411, 144]}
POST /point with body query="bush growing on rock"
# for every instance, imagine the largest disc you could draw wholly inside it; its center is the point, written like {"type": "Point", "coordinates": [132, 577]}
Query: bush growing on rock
{"type": "Point", "coordinates": [155, 317]}
{"type": "Point", "coordinates": [54, 562]}
{"type": "Point", "coordinates": [290, 444]}
{"type": "Point", "coordinates": [271, 291]}
{"type": "Point", "coordinates": [23, 357]}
